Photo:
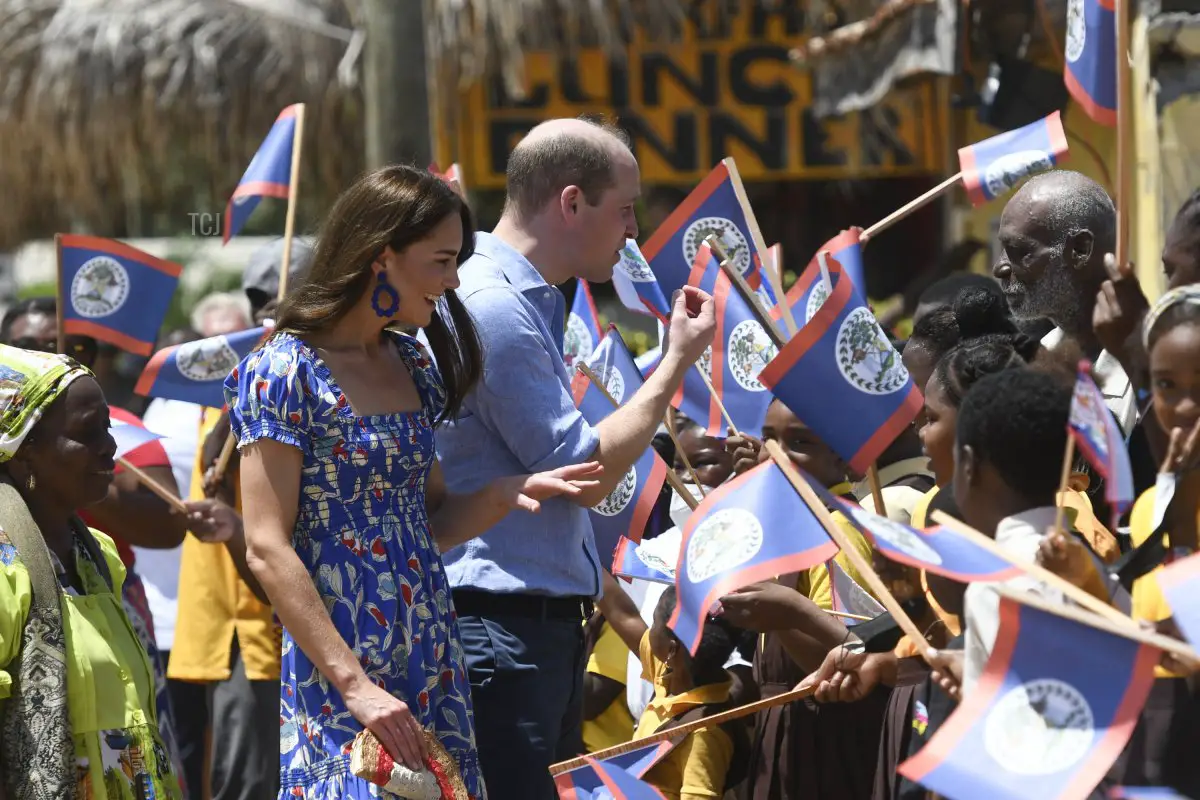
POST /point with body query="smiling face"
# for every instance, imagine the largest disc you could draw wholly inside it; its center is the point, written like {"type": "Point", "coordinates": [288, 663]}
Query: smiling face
{"type": "Point", "coordinates": [598, 232]}
{"type": "Point", "coordinates": [1175, 377]}
{"type": "Point", "coordinates": [422, 272]}
{"type": "Point", "coordinates": [70, 451]}
{"type": "Point", "coordinates": [709, 458]}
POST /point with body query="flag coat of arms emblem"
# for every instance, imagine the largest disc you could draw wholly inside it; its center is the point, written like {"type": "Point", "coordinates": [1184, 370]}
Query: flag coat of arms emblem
{"type": "Point", "coordinates": [841, 376]}
{"type": "Point", "coordinates": [749, 529]}
{"type": "Point", "coordinates": [582, 333]}
{"type": "Point", "coordinates": [113, 292]}
{"type": "Point", "coordinates": [1056, 704]}
{"type": "Point", "coordinates": [1091, 58]}
{"type": "Point", "coordinates": [195, 372]}
{"type": "Point", "coordinates": [992, 167]}
{"type": "Point", "coordinates": [636, 285]}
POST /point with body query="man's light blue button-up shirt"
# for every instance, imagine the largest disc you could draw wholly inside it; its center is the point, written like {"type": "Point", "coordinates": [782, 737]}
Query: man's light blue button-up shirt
{"type": "Point", "coordinates": [520, 418]}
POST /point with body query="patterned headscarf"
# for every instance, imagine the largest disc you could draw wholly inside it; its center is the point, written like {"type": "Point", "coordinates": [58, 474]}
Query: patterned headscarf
{"type": "Point", "coordinates": [29, 382]}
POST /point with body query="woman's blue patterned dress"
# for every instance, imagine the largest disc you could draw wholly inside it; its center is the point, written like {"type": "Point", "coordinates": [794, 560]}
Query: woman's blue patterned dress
{"type": "Point", "coordinates": [363, 532]}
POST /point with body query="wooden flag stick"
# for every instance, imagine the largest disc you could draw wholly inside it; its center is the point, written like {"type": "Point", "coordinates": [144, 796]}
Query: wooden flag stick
{"type": "Point", "coordinates": [168, 497]}
{"type": "Point", "coordinates": [745, 291]}
{"type": "Point", "coordinates": [1124, 131]}
{"type": "Point", "coordinates": [61, 302]}
{"type": "Point", "coordinates": [686, 728]}
{"type": "Point", "coordinates": [1064, 483]}
{"type": "Point", "coordinates": [1166, 643]}
{"type": "Point", "coordinates": [1034, 571]}
{"type": "Point", "coordinates": [876, 490]}
{"type": "Point", "coordinates": [672, 478]}
{"type": "Point", "coordinates": [289, 229]}
{"type": "Point", "coordinates": [669, 422]}
{"type": "Point", "coordinates": [775, 276]}
{"type": "Point", "coordinates": [712, 390]}
{"type": "Point", "coordinates": [846, 615]}
{"type": "Point", "coordinates": [874, 582]}
{"type": "Point", "coordinates": [289, 225]}
{"type": "Point", "coordinates": [909, 207]}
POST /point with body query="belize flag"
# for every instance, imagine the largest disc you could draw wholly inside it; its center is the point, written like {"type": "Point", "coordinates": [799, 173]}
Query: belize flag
{"type": "Point", "coordinates": [1100, 439]}
{"type": "Point", "coordinates": [992, 167]}
{"type": "Point", "coordinates": [626, 509]}
{"type": "Point", "coordinates": [195, 372]}
{"type": "Point", "coordinates": [1056, 704]}
{"type": "Point", "coordinates": [1091, 58]}
{"type": "Point", "coordinates": [614, 778]}
{"type": "Point", "coordinates": [811, 289]}
{"type": "Point", "coordinates": [741, 349]}
{"type": "Point", "coordinates": [636, 285]}
{"type": "Point", "coordinates": [717, 206]}
{"type": "Point", "coordinates": [583, 332]}
{"type": "Point", "coordinates": [269, 173]}
{"type": "Point", "coordinates": [632, 560]}
{"type": "Point", "coordinates": [1180, 584]}
{"type": "Point", "coordinates": [113, 292]}
{"type": "Point", "coordinates": [938, 550]}
{"type": "Point", "coordinates": [130, 436]}
{"type": "Point", "coordinates": [751, 528]}
{"type": "Point", "coordinates": [452, 176]}
{"type": "Point", "coordinates": [863, 397]}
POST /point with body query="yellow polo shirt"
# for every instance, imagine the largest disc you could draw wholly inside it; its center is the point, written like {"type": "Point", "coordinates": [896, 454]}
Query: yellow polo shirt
{"type": "Point", "coordinates": [613, 725]}
{"type": "Point", "coordinates": [215, 604]}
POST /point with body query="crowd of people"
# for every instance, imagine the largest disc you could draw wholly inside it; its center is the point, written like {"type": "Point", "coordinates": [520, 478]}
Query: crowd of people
{"type": "Point", "coordinates": [401, 543]}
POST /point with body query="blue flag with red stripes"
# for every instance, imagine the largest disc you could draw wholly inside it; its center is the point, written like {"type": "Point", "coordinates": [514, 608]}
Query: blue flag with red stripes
{"type": "Point", "coordinates": [269, 173]}
{"type": "Point", "coordinates": [717, 206]}
{"type": "Point", "coordinates": [741, 349]}
{"type": "Point", "coordinates": [1099, 438]}
{"type": "Point", "coordinates": [614, 778]}
{"type": "Point", "coordinates": [992, 167]}
{"type": "Point", "coordinates": [583, 333]}
{"type": "Point", "coordinates": [631, 560]}
{"type": "Point", "coordinates": [1054, 707]}
{"type": "Point", "coordinates": [130, 436]}
{"type": "Point", "coordinates": [811, 289]}
{"type": "Point", "coordinates": [636, 285]}
{"type": "Point", "coordinates": [627, 508]}
{"type": "Point", "coordinates": [841, 376]}
{"type": "Point", "coordinates": [1090, 72]}
{"type": "Point", "coordinates": [195, 372]}
{"type": "Point", "coordinates": [749, 529]}
{"type": "Point", "coordinates": [113, 292]}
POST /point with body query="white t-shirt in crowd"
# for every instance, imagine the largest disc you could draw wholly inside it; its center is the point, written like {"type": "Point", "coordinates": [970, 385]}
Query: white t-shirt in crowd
{"type": "Point", "coordinates": [179, 422]}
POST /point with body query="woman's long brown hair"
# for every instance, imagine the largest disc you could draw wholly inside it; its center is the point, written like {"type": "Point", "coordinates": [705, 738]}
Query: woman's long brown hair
{"type": "Point", "coordinates": [394, 206]}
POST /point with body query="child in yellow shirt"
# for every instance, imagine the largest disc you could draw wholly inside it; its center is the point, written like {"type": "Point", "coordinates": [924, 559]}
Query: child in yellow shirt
{"type": "Point", "coordinates": [706, 762]}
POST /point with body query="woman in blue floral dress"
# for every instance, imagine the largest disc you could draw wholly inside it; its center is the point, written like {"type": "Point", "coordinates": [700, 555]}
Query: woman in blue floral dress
{"type": "Point", "coordinates": [344, 504]}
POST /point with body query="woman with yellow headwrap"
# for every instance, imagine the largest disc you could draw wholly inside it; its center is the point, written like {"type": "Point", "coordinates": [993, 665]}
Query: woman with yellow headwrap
{"type": "Point", "coordinates": [77, 717]}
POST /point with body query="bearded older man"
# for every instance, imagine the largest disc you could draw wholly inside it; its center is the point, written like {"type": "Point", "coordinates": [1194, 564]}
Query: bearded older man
{"type": "Point", "coordinates": [1054, 234]}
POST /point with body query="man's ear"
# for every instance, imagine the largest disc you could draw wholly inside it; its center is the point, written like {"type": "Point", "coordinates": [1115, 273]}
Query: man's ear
{"type": "Point", "coordinates": [569, 200]}
{"type": "Point", "coordinates": [1077, 249]}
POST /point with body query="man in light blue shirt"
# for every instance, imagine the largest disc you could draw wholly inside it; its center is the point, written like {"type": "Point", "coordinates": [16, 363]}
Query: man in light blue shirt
{"type": "Point", "coordinates": [524, 588]}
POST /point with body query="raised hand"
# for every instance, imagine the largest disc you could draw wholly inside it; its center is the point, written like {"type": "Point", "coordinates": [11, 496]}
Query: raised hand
{"type": "Point", "coordinates": [1120, 307]}
{"type": "Point", "coordinates": [526, 491]}
{"type": "Point", "coordinates": [693, 323]}
{"type": "Point", "coordinates": [213, 521]}
{"type": "Point", "coordinates": [744, 449]}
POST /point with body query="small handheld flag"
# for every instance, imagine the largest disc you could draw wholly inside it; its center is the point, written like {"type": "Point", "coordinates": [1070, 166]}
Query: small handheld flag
{"type": "Point", "coordinates": [113, 292]}
{"type": "Point", "coordinates": [749, 529]}
{"type": "Point", "coordinates": [992, 167]}
{"type": "Point", "coordinates": [195, 372]}
{"type": "Point", "coordinates": [1053, 709]}
{"type": "Point", "coordinates": [636, 285]}
{"type": "Point", "coordinates": [866, 396]}
{"type": "Point", "coordinates": [626, 509]}
{"type": "Point", "coordinates": [130, 437]}
{"type": "Point", "coordinates": [715, 207]}
{"type": "Point", "coordinates": [632, 560]}
{"type": "Point", "coordinates": [1096, 434]}
{"type": "Point", "coordinates": [811, 290]}
{"type": "Point", "coordinates": [583, 332]}
{"type": "Point", "coordinates": [452, 176]}
{"type": "Point", "coordinates": [615, 778]}
{"type": "Point", "coordinates": [269, 173]}
{"type": "Point", "coordinates": [1091, 58]}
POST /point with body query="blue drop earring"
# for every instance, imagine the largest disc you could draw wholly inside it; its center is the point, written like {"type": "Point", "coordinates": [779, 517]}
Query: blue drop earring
{"type": "Point", "coordinates": [384, 290]}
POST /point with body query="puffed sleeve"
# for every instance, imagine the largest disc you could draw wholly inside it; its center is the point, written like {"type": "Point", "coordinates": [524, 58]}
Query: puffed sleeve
{"type": "Point", "coordinates": [274, 394]}
{"type": "Point", "coordinates": [15, 597]}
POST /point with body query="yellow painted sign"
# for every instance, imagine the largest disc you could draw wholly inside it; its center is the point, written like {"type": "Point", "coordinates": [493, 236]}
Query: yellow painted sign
{"type": "Point", "coordinates": [721, 90]}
